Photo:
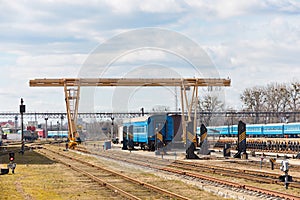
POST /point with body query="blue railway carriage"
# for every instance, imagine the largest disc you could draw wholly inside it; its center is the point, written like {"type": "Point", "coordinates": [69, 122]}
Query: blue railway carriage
{"type": "Point", "coordinates": [271, 130]}
{"type": "Point", "coordinates": [57, 134]}
{"type": "Point", "coordinates": [142, 131]}
{"type": "Point", "coordinates": [291, 130]}
{"type": "Point", "coordinates": [224, 131]}
{"type": "Point", "coordinates": [275, 130]}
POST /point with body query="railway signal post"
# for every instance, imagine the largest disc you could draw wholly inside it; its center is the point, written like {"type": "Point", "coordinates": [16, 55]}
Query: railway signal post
{"type": "Point", "coordinates": [12, 165]}
{"type": "Point", "coordinates": [272, 161]}
{"type": "Point", "coordinates": [242, 145]}
{"type": "Point", "coordinates": [286, 178]}
{"type": "Point", "coordinates": [22, 111]}
{"type": "Point", "coordinates": [203, 141]}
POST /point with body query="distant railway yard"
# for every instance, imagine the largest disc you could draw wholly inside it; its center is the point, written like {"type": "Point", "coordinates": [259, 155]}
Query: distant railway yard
{"type": "Point", "coordinates": [47, 170]}
{"type": "Point", "coordinates": [153, 156]}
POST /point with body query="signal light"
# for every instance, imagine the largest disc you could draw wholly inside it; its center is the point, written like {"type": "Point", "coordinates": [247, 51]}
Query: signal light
{"type": "Point", "coordinates": [11, 156]}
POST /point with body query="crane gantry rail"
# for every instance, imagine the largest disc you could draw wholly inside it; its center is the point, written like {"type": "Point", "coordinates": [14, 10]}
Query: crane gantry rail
{"type": "Point", "coordinates": [72, 94]}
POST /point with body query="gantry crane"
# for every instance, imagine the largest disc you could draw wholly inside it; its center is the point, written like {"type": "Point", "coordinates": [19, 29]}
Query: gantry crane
{"type": "Point", "coordinates": [72, 94]}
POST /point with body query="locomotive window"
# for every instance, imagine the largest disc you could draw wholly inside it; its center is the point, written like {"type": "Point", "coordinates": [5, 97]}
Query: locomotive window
{"type": "Point", "coordinates": [292, 127]}
{"type": "Point", "coordinates": [159, 126]}
{"type": "Point", "coordinates": [253, 128]}
{"type": "Point", "coordinates": [139, 129]}
{"type": "Point", "coordinates": [273, 128]}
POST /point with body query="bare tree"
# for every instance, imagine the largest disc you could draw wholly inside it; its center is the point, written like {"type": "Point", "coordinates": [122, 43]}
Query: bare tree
{"type": "Point", "coordinates": [277, 98]}
{"type": "Point", "coordinates": [254, 100]}
{"type": "Point", "coordinates": [294, 92]}
{"type": "Point", "coordinates": [274, 97]}
{"type": "Point", "coordinates": [210, 103]}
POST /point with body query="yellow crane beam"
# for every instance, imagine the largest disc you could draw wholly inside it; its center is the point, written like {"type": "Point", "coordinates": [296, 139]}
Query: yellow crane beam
{"type": "Point", "coordinates": [129, 82]}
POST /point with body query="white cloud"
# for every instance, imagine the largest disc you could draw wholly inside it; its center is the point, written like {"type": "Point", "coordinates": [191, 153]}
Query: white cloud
{"type": "Point", "coordinates": [223, 8]}
{"type": "Point", "coordinates": [157, 6]}
{"type": "Point", "coordinates": [47, 66]}
{"type": "Point", "coordinates": [154, 6]}
{"type": "Point", "coordinates": [145, 55]}
{"type": "Point", "coordinates": [253, 42]}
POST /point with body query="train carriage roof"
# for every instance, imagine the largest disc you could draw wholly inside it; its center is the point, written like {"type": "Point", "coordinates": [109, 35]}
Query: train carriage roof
{"type": "Point", "coordinates": [142, 118]}
{"type": "Point", "coordinates": [136, 119]}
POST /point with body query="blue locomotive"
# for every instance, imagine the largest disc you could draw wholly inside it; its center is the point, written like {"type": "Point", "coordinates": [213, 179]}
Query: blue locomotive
{"type": "Point", "coordinates": [150, 132]}
{"type": "Point", "coordinates": [276, 130]}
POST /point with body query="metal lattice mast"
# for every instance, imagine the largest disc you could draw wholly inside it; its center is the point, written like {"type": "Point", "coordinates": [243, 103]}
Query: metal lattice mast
{"type": "Point", "coordinates": [72, 94]}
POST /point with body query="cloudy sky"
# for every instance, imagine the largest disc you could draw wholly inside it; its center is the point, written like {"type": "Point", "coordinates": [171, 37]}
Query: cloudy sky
{"type": "Point", "coordinates": [254, 42]}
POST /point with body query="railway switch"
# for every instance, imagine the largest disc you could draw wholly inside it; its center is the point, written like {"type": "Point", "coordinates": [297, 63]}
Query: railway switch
{"type": "Point", "coordinates": [226, 150]}
{"type": "Point", "coordinates": [12, 166]}
{"type": "Point", "coordinates": [261, 160]}
{"type": "Point", "coordinates": [284, 166]}
{"type": "Point", "coordinates": [286, 178]}
{"type": "Point", "coordinates": [272, 161]}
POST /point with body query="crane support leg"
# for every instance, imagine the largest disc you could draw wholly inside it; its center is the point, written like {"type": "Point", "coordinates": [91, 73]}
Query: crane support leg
{"type": "Point", "coordinates": [189, 121]}
{"type": "Point", "coordinates": [72, 101]}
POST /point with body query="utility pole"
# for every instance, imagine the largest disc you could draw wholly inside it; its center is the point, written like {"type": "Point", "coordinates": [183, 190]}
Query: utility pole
{"type": "Point", "coordinates": [16, 124]}
{"type": "Point", "coordinates": [112, 128]}
{"type": "Point", "coordinates": [57, 124]}
{"type": "Point", "coordinates": [143, 112]}
{"type": "Point", "coordinates": [46, 128]}
{"type": "Point", "coordinates": [176, 100]}
{"type": "Point", "coordinates": [61, 124]}
{"type": "Point", "coordinates": [22, 111]}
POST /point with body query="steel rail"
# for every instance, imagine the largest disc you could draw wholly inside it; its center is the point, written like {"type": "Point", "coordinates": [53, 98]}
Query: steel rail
{"type": "Point", "coordinates": [144, 184]}
{"type": "Point", "coordinates": [96, 179]}
{"type": "Point", "coordinates": [263, 177]}
{"type": "Point", "coordinates": [203, 177]}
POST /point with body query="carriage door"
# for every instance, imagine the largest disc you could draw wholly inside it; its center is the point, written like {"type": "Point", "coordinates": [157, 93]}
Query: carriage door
{"type": "Point", "coordinates": [130, 137]}
{"type": "Point", "coordinates": [159, 133]}
{"type": "Point", "coordinates": [125, 140]}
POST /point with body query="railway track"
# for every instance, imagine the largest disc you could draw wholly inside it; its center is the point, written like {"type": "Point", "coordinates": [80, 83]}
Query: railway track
{"type": "Point", "coordinates": [256, 176]}
{"type": "Point", "coordinates": [269, 145]}
{"type": "Point", "coordinates": [118, 183]}
{"type": "Point", "coordinates": [192, 170]}
{"type": "Point", "coordinates": [265, 165]}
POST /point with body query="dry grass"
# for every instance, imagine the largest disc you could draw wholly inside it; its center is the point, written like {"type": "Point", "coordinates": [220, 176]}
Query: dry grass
{"type": "Point", "coordinates": [37, 177]}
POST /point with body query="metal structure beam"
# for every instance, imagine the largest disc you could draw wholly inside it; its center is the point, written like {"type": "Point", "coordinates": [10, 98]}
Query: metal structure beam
{"type": "Point", "coordinates": [72, 93]}
{"type": "Point", "coordinates": [129, 82]}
